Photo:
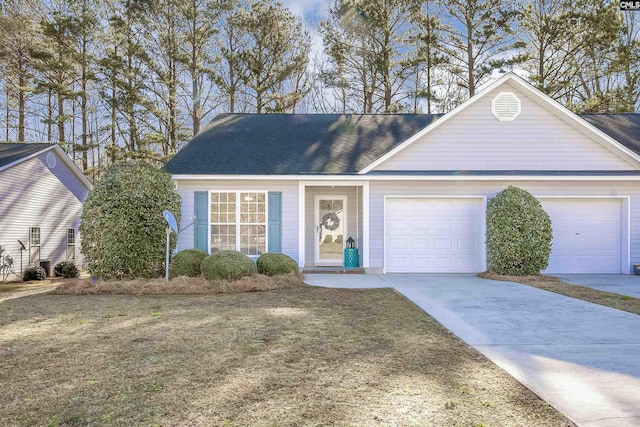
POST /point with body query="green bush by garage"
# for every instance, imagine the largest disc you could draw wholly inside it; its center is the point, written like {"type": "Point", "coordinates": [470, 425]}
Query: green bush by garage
{"type": "Point", "coordinates": [275, 264]}
{"type": "Point", "coordinates": [229, 265]}
{"type": "Point", "coordinates": [187, 263]}
{"type": "Point", "coordinates": [519, 234]}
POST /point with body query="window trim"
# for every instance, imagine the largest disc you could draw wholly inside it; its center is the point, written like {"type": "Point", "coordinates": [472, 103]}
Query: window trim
{"type": "Point", "coordinates": [71, 244]}
{"type": "Point", "coordinates": [239, 224]}
{"type": "Point", "coordinates": [38, 245]}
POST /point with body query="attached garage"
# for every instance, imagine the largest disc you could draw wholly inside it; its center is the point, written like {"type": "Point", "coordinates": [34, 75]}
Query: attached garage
{"type": "Point", "coordinates": [434, 235]}
{"type": "Point", "coordinates": [590, 235]}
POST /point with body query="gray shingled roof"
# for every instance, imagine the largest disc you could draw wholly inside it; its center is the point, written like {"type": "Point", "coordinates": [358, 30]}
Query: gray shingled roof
{"type": "Point", "coordinates": [10, 153]}
{"type": "Point", "coordinates": [296, 144]}
{"type": "Point", "coordinates": [293, 144]}
{"type": "Point", "coordinates": [624, 128]}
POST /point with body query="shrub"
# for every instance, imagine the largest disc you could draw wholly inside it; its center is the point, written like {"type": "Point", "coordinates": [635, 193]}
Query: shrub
{"type": "Point", "coordinates": [274, 264]}
{"type": "Point", "coordinates": [66, 269]}
{"type": "Point", "coordinates": [227, 265]}
{"type": "Point", "coordinates": [122, 228]}
{"type": "Point", "coordinates": [187, 263]}
{"type": "Point", "coordinates": [34, 273]}
{"type": "Point", "coordinates": [519, 234]}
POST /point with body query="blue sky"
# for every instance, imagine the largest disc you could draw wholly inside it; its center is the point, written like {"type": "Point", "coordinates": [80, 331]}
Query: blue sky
{"type": "Point", "coordinates": [312, 11]}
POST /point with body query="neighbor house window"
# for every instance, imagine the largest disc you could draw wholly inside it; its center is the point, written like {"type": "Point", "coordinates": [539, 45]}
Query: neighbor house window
{"type": "Point", "coordinates": [71, 243]}
{"type": "Point", "coordinates": [34, 244]}
{"type": "Point", "coordinates": [239, 222]}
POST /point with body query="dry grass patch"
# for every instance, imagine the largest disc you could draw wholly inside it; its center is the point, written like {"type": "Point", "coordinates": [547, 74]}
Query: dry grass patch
{"type": "Point", "coordinates": [10, 290]}
{"type": "Point", "coordinates": [181, 285]}
{"type": "Point", "coordinates": [549, 283]}
{"type": "Point", "coordinates": [301, 356]}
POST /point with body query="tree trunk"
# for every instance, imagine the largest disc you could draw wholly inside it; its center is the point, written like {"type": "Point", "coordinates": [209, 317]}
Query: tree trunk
{"type": "Point", "coordinates": [61, 136]}
{"type": "Point", "coordinates": [21, 99]}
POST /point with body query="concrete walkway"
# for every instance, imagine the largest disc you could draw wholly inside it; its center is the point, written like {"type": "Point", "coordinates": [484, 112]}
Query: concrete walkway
{"type": "Point", "coordinates": [582, 358]}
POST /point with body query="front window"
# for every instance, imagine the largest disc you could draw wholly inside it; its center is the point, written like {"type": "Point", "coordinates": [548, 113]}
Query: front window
{"type": "Point", "coordinates": [239, 222]}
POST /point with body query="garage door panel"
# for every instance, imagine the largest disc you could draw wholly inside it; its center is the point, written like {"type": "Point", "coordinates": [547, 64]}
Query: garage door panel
{"type": "Point", "coordinates": [445, 235]}
{"type": "Point", "coordinates": [419, 226]}
{"type": "Point", "coordinates": [587, 235]}
{"type": "Point", "coordinates": [443, 224]}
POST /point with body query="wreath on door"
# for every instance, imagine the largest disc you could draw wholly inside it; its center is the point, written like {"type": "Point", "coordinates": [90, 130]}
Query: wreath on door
{"type": "Point", "coordinates": [330, 221]}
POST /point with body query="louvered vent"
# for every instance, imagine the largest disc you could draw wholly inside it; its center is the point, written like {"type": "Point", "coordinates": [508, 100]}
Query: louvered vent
{"type": "Point", "coordinates": [51, 160]}
{"type": "Point", "coordinates": [505, 106]}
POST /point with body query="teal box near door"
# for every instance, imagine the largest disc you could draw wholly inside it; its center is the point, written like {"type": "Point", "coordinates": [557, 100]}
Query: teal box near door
{"type": "Point", "coordinates": [351, 258]}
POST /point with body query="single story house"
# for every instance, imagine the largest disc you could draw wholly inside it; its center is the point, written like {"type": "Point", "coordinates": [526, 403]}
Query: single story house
{"type": "Point", "coordinates": [412, 190]}
{"type": "Point", "coordinates": [41, 196]}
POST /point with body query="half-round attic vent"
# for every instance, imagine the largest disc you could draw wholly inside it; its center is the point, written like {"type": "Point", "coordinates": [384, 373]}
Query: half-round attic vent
{"type": "Point", "coordinates": [505, 106]}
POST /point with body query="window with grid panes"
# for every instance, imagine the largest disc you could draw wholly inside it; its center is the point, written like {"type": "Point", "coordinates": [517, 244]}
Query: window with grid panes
{"type": "Point", "coordinates": [71, 243]}
{"type": "Point", "coordinates": [253, 223]}
{"type": "Point", "coordinates": [34, 244]}
{"type": "Point", "coordinates": [223, 222]}
{"type": "Point", "coordinates": [239, 222]}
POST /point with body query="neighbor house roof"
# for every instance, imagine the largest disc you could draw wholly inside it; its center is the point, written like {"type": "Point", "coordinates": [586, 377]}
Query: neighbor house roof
{"type": "Point", "coordinates": [624, 128]}
{"type": "Point", "coordinates": [11, 153]}
{"type": "Point", "coordinates": [292, 144]}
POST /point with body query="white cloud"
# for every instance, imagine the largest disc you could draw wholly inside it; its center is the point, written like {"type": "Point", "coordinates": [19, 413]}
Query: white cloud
{"type": "Point", "coordinates": [311, 11]}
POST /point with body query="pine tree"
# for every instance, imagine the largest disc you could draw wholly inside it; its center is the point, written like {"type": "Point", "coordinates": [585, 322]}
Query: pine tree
{"type": "Point", "coordinates": [480, 37]}
{"type": "Point", "coordinates": [17, 40]}
{"type": "Point", "coordinates": [276, 49]}
{"type": "Point", "coordinates": [368, 42]}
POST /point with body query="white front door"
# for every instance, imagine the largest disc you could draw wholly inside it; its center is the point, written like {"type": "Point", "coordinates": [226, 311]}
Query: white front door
{"type": "Point", "coordinates": [330, 229]}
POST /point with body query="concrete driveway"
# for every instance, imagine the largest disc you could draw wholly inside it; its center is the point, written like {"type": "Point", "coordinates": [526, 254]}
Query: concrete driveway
{"type": "Point", "coordinates": [582, 358]}
{"type": "Point", "coordinates": [624, 284]}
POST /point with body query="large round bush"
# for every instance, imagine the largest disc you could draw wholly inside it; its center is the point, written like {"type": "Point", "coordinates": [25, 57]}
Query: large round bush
{"type": "Point", "coordinates": [519, 234]}
{"type": "Point", "coordinates": [187, 263]}
{"type": "Point", "coordinates": [122, 228]}
{"type": "Point", "coordinates": [227, 265]}
{"type": "Point", "coordinates": [274, 264]}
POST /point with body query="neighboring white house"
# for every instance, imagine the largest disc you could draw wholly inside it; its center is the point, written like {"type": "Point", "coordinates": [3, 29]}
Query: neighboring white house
{"type": "Point", "coordinates": [41, 196]}
{"type": "Point", "coordinates": [412, 189]}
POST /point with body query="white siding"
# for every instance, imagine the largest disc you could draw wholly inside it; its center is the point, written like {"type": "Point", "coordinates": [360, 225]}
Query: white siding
{"type": "Point", "coordinates": [289, 189]}
{"type": "Point", "coordinates": [536, 140]}
{"type": "Point", "coordinates": [33, 195]}
{"type": "Point", "coordinates": [378, 190]}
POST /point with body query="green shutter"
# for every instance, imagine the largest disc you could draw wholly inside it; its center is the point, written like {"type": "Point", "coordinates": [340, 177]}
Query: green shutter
{"type": "Point", "coordinates": [201, 209]}
{"type": "Point", "coordinates": [275, 221]}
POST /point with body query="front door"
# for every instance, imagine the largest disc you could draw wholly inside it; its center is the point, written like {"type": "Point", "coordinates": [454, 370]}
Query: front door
{"type": "Point", "coordinates": [330, 229]}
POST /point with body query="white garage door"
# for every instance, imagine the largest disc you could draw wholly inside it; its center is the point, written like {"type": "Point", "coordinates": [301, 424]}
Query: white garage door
{"type": "Point", "coordinates": [434, 235]}
{"type": "Point", "coordinates": [587, 235]}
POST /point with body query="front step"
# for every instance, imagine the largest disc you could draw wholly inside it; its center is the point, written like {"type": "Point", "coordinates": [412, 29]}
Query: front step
{"type": "Point", "coordinates": [332, 270]}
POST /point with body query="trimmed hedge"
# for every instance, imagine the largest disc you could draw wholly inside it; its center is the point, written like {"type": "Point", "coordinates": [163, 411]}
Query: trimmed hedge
{"type": "Point", "coordinates": [34, 273]}
{"type": "Point", "coordinates": [229, 265]}
{"type": "Point", "coordinates": [187, 263]}
{"type": "Point", "coordinates": [274, 264]}
{"type": "Point", "coordinates": [66, 269]}
{"type": "Point", "coordinates": [519, 234]}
